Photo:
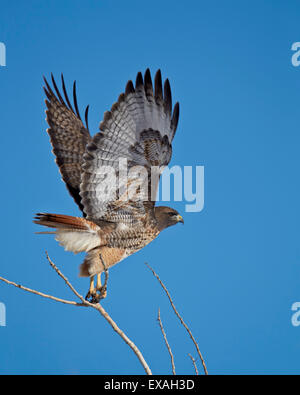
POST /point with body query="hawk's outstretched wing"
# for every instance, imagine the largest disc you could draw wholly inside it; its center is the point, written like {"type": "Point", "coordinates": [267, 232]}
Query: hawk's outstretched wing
{"type": "Point", "coordinates": [139, 128]}
{"type": "Point", "coordinates": [69, 137]}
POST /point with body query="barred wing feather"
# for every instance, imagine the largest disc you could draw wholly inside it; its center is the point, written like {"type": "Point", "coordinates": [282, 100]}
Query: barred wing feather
{"type": "Point", "coordinates": [68, 135]}
{"type": "Point", "coordinates": [139, 129]}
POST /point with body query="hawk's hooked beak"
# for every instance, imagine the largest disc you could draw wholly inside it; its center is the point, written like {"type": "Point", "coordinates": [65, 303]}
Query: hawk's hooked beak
{"type": "Point", "coordinates": [180, 219]}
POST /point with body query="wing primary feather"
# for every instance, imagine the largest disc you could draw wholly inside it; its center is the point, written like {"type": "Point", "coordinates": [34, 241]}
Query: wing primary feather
{"type": "Point", "coordinates": [48, 96]}
{"type": "Point", "coordinates": [148, 84]}
{"type": "Point", "coordinates": [75, 100]}
{"type": "Point", "coordinates": [139, 80]}
{"type": "Point", "coordinates": [86, 116]}
{"type": "Point", "coordinates": [167, 97]}
{"type": "Point", "coordinates": [129, 88]}
{"type": "Point", "coordinates": [48, 89]}
{"type": "Point", "coordinates": [57, 91]}
{"type": "Point", "coordinates": [158, 87]}
{"type": "Point", "coordinates": [175, 118]}
{"type": "Point", "coordinates": [65, 92]}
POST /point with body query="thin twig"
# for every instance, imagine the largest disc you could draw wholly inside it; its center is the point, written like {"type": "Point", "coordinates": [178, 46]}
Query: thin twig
{"type": "Point", "coordinates": [166, 341]}
{"type": "Point", "coordinates": [180, 318]}
{"type": "Point", "coordinates": [123, 336]}
{"type": "Point", "coordinates": [66, 280]}
{"type": "Point", "coordinates": [41, 293]}
{"type": "Point", "coordinates": [194, 363]}
{"type": "Point", "coordinates": [85, 303]}
{"type": "Point", "coordinates": [102, 311]}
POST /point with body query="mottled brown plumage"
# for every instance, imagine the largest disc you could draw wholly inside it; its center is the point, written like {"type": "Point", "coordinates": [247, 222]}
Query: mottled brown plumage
{"type": "Point", "coordinates": [138, 130]}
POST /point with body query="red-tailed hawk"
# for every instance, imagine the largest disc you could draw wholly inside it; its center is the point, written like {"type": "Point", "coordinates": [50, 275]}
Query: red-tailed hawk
{"type": "Point", "coordinates": [138, 130]}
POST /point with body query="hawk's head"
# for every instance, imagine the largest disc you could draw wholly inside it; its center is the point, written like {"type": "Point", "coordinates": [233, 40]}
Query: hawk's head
{"type": "Point", "coordinates": [167, 216]}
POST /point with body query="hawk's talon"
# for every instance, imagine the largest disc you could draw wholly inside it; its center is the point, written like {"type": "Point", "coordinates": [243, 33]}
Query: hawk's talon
{"type": "Point", "coordinates": [97, 295]}
{"type": "Point", "coordinates": [90, 295]}
{"type": "Point", "coordinates": [102, 292]}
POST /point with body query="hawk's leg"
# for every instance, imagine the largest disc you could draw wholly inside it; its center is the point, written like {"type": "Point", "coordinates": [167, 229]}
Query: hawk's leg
{"type": "Point", "coordinates": [102, 289]}
{"type": "Point", "coordinates": [96, 294]}
{"type": "Point", "coordinates": [100, 292]}
{"type": "Point", "coordinates": [92, 294]}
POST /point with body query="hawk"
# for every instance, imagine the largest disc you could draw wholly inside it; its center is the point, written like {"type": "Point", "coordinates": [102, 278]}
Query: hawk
{"type": "Point", "coordinates": [139, 130]}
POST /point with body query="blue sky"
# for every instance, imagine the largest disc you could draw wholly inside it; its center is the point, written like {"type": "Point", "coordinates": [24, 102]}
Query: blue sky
{"type": "Point", "coordinates": [234, 268]}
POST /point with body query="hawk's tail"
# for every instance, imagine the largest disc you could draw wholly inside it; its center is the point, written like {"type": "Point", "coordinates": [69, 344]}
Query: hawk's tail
{"type": "Point", "coordinates": [60, 221]}
{"type": "Point", "coordinates": [73, 233]}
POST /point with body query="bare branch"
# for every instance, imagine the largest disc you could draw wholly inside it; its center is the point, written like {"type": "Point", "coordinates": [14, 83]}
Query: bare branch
{"type": "Point", "coordinates": [194, 363]}
{"type": "Point", "coordinates": [123, 336]}
{"type": "Point", "coordinates": [41, 293]}
{"type": "Point", "coordinates": [166, 341]}
{"type": "Point", "coordinates": [66, 280]}
{"type": "Point", "coordinates": [102, 311]}
{"type": "Point", "coordinates": [180, 318]}
{"type": "Point", "coordinates": [85, 303]}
